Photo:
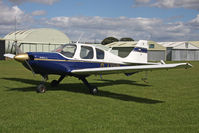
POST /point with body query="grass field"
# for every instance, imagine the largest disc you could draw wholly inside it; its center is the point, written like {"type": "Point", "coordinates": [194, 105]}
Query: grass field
{"type": "Point", "coordinates": [169, 103]}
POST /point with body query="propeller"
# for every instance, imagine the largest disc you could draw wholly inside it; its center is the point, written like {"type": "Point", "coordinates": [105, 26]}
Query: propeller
{"type": "Point", "coordinates": [20, 57]}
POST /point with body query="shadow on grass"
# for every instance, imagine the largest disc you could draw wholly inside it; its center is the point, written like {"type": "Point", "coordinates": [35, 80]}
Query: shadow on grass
{"type": "Point", "coordinates": [119, 82]}
{"type": "Point", "coordinates": [80, 88]}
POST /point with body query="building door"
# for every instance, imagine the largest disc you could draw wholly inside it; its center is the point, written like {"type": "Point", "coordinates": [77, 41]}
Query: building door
{"type": "Point", "coordinates": [2, 49]}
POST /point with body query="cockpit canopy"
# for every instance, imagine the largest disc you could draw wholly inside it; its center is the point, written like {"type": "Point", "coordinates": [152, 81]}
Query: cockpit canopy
{"type": "Point", "coordinates": [86, 52]}
{"type": "Point", "coordinates": [67, 50]}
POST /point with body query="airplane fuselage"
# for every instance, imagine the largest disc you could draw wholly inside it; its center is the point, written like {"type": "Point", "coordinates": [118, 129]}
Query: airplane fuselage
{"type": "Point", "coordinates": [72, 57]}
{"type": "Point", "coordinates": [56, 63]}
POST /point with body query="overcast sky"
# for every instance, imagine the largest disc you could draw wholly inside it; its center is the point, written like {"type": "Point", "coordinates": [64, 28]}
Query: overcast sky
{"type": "Point", "coordinates": [158, 20]}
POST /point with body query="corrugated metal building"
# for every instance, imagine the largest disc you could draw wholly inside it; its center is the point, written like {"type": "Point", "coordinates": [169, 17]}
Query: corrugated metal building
{"type": "Point", "coordinates": [181, 51]}
{"type": "Point", "coordinates": [35, 40]}
{"type": "Point", "coordinates": [156, 52]}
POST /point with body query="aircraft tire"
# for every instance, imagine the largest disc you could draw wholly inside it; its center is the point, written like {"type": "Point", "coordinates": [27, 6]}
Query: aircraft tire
{"type": "Point", "coordinates": [54, 83]}
{"type": "Point", "coordinates": [94, 90]}
{"type": "Point", "coordinates": [41, 88]}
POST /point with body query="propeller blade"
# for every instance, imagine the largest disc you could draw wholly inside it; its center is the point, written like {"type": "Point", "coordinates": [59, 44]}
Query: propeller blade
{"type": "Point", "coordinates": [9, 55]}
{"type": "Point", "coordinates": [30, 68]}
{"type": "Point", "coordinates": [18, 50]}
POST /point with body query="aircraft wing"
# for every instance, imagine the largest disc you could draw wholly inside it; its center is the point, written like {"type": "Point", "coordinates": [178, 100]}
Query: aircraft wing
{"type": "Point", "coordinates": [139, 63]}
{"type": "Point", "coordinates": [129, 69]}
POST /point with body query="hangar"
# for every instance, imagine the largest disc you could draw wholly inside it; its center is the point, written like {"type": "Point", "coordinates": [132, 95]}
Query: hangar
{"type": "Point", "coordinates": [181, 51]}
{"type": "Point", "coordinates": [156, 52]}
{"type": "Point", "coordinates": [35, 40]}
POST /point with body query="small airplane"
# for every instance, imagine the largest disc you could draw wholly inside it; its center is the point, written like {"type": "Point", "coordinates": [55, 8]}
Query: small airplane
{"type": "Point", "coordinates": [82, 60]}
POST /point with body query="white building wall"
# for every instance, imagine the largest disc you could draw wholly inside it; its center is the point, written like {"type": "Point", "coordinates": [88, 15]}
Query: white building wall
{"type": "Point", "coordinates": [156, 55]}
{"type": "Point", "coordinates": [185, 55]}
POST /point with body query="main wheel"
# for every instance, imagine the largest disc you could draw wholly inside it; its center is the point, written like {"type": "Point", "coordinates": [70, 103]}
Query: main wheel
{"type": "Point", "coordinates": [54, 83]}
{"type": "Point", "coordinates": [94, 90]}
{"type": "Point", "coordinates": [41, 88]}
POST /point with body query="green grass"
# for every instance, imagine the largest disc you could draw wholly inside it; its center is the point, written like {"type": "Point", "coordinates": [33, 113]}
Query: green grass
{"type": "Point", "coordinates": [168, 103]}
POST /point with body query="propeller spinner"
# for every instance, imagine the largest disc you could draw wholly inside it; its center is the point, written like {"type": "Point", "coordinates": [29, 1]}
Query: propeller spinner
{"type": "Point", "coordinates": [21, 57]}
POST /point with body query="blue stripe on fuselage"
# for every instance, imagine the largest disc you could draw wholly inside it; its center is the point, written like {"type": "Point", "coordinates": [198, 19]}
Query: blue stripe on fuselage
{"type": "Point", "coordinates": [138, 49]}
{"type": "Point", "coordinates": [47, 55]}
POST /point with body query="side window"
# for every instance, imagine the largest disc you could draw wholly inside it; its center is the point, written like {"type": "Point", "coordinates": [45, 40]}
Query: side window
{"type": "Point", "coordinates": [100, 54]}
{"type": "Point", "coordinates": [86, 52]}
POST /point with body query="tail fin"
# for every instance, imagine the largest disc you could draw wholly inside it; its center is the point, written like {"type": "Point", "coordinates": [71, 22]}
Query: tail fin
{"type": "Point", "coordinates": [139, 53]}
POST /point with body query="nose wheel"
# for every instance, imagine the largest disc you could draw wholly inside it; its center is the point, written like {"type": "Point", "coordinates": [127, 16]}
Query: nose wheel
{"type": "Point", "coordinates": [41, 88]}
{"type": "Point", "coordinates": [94, 90]}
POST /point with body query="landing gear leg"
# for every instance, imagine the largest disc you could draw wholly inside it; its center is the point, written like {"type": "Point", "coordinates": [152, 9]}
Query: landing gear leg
{"type": "Point", "coordinates": [93, 90]}
{"type": "Point", "coordinates": [42, 88]}
{"type": "Point", "coordinates": [56, 82]}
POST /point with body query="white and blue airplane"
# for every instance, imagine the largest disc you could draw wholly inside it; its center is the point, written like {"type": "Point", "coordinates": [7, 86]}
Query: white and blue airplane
{"type": "Point", "coordinates": [82, 60]}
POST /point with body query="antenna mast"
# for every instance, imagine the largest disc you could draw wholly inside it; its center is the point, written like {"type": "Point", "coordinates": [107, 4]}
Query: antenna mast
{"type": "Point", "coordinates": [15, 28]}
{"type": "Point", "coordinates": [80, 38]}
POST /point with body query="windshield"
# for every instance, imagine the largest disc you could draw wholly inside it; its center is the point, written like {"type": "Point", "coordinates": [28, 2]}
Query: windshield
{"type": "Point", "coordinates": [67, 50]}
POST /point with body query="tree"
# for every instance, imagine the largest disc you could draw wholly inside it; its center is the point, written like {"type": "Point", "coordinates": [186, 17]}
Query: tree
{"type": "Point", "coordinates": [126, 39]}
{"type": "Point", "coordinates": [109, 40]}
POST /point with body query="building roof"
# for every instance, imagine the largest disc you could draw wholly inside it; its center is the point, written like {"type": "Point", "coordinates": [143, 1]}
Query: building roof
{"type": "Point", "coordinates": [195, 43]}
{"type": "Point", "coordinates": [122, 44]}
{"type": "Point", "coordinates": [179, 45]}
{"type": "Point", "coordinates": [157, 46]}
{"type": "Point", "coordinates": [133, 43]}
{"type": "Point", "coordinates": [171, 44]}
{"type": "Point", "coordinates": [42, 35]}
{"type": "Point", "coordinates": [101, 46]}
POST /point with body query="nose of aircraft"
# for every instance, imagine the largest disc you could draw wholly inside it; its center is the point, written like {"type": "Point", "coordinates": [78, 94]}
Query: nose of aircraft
{"type": "Point", "coordinates": [21, 57]}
